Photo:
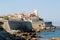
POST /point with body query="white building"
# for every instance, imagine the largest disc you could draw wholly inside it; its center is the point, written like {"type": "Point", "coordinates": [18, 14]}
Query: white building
{"type": "Point", "coordinates": [1, 18]}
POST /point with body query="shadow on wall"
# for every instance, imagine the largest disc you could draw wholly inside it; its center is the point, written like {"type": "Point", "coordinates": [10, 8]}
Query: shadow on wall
{"type": "Point", "coordinates": [20, 25]}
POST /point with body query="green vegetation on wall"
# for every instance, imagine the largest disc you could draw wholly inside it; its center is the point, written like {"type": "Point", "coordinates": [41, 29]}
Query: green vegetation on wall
{"type": "Point", "coordinates": [40, 19]}
{"type": "Point", "coordinates": [6, 18]}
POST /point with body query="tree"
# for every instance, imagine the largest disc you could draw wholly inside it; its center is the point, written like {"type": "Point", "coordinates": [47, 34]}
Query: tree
{"type": "Point", "coordinates": [40, 19]}
{"type": "Point", "coordinates": [6, 18]}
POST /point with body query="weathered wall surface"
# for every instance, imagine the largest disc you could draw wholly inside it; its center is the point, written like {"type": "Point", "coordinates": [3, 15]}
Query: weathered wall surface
{"type": "Point", "coordinates": [20, 25]}
{"type": "Point", "coordinates": [11, 26]}
{"type": "Point", "coordinates": [38, 25]}
{"type": "Point", "coordinates": [6, 26]}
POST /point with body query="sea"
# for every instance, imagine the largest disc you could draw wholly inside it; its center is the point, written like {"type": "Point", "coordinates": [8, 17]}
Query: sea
{"type": "Point", "coordinates": [48, 35]}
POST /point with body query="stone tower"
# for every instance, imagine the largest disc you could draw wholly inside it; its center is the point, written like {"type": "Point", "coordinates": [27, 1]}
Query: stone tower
{"type": "Point", "coordinates": [36, 12]}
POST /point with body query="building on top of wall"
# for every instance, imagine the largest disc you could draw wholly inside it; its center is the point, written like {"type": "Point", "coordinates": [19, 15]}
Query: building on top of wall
{"type": "Point", "coordinates": [1, 18]}
{"type": "Point", "coordinates": [30, 17]}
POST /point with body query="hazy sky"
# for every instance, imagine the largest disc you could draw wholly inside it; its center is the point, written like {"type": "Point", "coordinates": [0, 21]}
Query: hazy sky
{"type": "Point", "coordinates": [49, 10]}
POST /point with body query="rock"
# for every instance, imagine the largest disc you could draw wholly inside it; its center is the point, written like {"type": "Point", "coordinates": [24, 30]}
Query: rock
{"type": "Point", "coordinates": [7, 36]}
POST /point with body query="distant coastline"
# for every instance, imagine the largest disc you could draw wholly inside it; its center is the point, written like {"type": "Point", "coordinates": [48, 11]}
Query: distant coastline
{"type": "Point", "coordinates": [58, 27]}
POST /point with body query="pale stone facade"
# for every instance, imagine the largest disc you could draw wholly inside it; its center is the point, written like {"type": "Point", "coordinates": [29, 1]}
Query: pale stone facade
{"type": "Point", "coordinates": [25, 17]}
{"type": "Point", "coordinates": [1, 18]}
{"type": "Point", "coordinates": [38, 26]}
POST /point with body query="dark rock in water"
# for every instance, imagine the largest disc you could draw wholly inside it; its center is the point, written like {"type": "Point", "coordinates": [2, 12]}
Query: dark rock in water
{"type": "Point", "coordinates": [1, 23]}
{"type": "Point", "coordinates": [1, 29]}
{"type": "Point", "coordinates": [20, 25]}
{"type": "Point", "coordinates": [7, 36]}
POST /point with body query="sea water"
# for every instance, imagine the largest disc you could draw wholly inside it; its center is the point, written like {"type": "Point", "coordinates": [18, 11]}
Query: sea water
{"type": "Point", "coordinates": [47, 35]}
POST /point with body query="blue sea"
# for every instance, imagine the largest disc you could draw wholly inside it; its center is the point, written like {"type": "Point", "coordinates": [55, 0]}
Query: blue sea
{"type": "Point", "coordinates": [47, 35]}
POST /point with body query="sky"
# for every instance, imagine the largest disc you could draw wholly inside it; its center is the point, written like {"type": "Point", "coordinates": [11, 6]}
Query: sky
{"type": "Point", "coordinates": [49, 10]}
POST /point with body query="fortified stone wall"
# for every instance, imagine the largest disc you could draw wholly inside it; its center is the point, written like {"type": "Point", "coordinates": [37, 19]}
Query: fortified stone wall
{"type": "Point", "coordinates": [11, 26]}
{"type": "Point", "coordinates": [6, 26]}
{"type": "Point", "coordinates": [38, 26]}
